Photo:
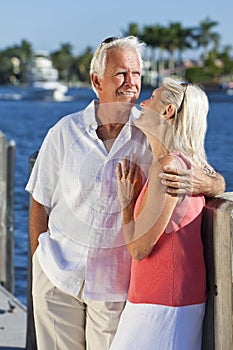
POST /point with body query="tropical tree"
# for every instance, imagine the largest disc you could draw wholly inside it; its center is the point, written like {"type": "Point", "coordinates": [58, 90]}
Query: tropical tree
{"type": "Point", "coordinates": [25, 52]}
{"type": "Point", "coordinates": [151, 36]}
{"type": "Point", "coordinates": [205, 37]}
{"type": "Point", "coordinates": [82, 65]}
{"type": "Point", "coordinates": [63, 61]}
{"type": "Point", "coordinates": [133, 29]}
{"type": "Point", "coordinates": [185, 42]}
{"type": "Point", "coordinates": [227, 63]}
{"type": "Point", "coordinates": [6, 69]}
{"type": "Point", "coordinates": [13, 62]}
{"type": "Point", "coordinates": [177, 40]}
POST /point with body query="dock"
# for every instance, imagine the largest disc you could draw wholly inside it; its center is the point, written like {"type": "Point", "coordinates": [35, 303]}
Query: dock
{"type": "Point", "coordinates": [13, 322]}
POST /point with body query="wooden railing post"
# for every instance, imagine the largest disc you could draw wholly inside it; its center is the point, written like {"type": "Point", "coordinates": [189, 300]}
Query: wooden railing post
{"type": "Point", "coordinates": [3, 189]}
{"type": "Point", "coordinates": [7, 151]}
{"type": "Point", "coordinates": [10, 282]}
{"type": "Point", "coordinates": [31, 333]}
{"type": "Point", "coordinates": [217, 237]}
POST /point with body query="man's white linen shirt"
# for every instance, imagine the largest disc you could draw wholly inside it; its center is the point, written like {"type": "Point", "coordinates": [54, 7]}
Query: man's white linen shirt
{"type": "Point", "coordinates": [74, 178]}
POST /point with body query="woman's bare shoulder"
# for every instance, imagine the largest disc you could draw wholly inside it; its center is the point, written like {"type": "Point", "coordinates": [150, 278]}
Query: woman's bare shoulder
{"type": "Point", "coordinates": [171, 161]}
{"type": "Point", "coordinates": [168, 160]}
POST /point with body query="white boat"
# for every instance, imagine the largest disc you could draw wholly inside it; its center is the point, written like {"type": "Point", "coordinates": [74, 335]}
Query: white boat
{"type": "Point", "coordinates": [42, 80]}
{"type": "Point", "coordinates": [230, 91]}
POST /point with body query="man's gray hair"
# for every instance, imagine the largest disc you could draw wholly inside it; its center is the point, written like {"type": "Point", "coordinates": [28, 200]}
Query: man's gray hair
{"type": "Point", "coordinates": [98, 61]}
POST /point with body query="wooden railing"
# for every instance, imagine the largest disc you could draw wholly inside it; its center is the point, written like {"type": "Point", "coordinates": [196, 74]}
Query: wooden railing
{"type": "Point", "coordinates": [217, 233]}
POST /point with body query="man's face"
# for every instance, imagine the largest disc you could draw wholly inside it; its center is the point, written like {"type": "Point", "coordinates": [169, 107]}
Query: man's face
{"type": "Point", "coordinates": [122, 77]}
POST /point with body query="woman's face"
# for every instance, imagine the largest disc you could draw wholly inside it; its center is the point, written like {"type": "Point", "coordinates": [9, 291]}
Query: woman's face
{"type": "Point", "coordinates": [152, 112]}
{"type": "Point", "coordinates": [155, 101]}
{"type": "Point", "coordinates": [153, 119]}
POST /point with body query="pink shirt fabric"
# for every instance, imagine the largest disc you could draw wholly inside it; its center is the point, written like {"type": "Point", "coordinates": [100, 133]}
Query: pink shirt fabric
{"type": "Point", "coordinates": [174, 273]}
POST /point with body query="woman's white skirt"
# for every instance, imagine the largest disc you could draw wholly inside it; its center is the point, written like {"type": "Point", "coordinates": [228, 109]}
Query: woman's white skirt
{"type": "Point", "coordinates": [158, 327]}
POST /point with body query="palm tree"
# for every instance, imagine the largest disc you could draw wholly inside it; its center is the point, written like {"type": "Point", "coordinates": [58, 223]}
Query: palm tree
{"type": "Point", "coordinates": [151, 37]}
{"type": "Point", "coordinates": [177, 39]}
{"type": "Point", "coordinates": [225, 57]}
{"type": "Point", "coordinates": [132, 30]}
{"type": "Point", "coordinates": [63, 61]}
{"type": "Point", "coordinates": [82, 65]}
{"type": "Point", "coordinates": [204, 36]}
{"type": "Point", "coordinates": [185, 42]}
{"type": "Point", "coordinates": [25, 54]}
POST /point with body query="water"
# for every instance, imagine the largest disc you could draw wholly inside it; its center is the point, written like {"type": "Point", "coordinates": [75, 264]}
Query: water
{"type": "Point", "coordinates": [27, 122]}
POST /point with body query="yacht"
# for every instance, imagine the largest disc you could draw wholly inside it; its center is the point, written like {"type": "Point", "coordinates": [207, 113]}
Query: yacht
{"type": "Point", "coordinates": [42, 80]}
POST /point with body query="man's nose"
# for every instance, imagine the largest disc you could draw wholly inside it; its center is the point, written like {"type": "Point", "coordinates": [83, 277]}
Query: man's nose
{"type": "Point", "coordinates": [129, 79]}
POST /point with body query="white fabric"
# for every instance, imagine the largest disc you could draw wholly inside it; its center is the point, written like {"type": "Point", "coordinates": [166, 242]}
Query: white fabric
{"type": "Point", "coordinates": [158, 327]}
{"type": "Point", "coordinates": [74, 323]}
{"type": "Point", "coordinates": [74, 177]}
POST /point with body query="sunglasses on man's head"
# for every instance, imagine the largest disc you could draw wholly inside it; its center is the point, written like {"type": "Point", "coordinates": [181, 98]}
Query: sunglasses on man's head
{"type": "Point", "coordinates": [109, 40]}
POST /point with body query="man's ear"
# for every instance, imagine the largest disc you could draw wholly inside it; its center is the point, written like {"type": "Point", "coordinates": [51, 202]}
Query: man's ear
{"type": "Point", "coordinates": [169, 111]}
{"type": "Point", "coordinates": [96, 82]}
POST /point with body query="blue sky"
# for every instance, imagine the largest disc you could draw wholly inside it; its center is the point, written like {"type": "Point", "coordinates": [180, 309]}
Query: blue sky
{"type": "Point", "coordinates": [48, 23]}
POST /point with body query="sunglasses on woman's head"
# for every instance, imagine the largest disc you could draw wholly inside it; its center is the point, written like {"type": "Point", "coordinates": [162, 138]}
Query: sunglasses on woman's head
{"type": "Point", "coordinates": [182, 102]}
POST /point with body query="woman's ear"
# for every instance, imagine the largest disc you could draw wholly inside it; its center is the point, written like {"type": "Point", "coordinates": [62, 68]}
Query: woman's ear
{"type": "Point", "coordinates": [169, 111]}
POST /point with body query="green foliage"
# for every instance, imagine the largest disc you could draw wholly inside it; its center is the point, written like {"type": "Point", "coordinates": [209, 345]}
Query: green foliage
{"type": "Point", "coordinates": [63, 61]}
{"type": "Point", "coordinates": [13, 63]}
{"type": "Point", "coordinates": [83, 64]}
{"type": "Point", "coordinates": [165, 48]}
{"type": "Point", "coordinates": [174, 39]}
{"type": "Point", "coordinates": [198, 74]}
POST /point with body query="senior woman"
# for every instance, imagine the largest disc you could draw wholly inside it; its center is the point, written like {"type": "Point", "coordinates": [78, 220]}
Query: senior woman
{"type": "Point", "coordinates": [167, 294]}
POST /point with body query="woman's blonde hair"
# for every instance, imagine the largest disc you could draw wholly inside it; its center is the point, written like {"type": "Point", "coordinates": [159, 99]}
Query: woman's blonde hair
{"type": "Point", "coordinates": [190, 120]}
